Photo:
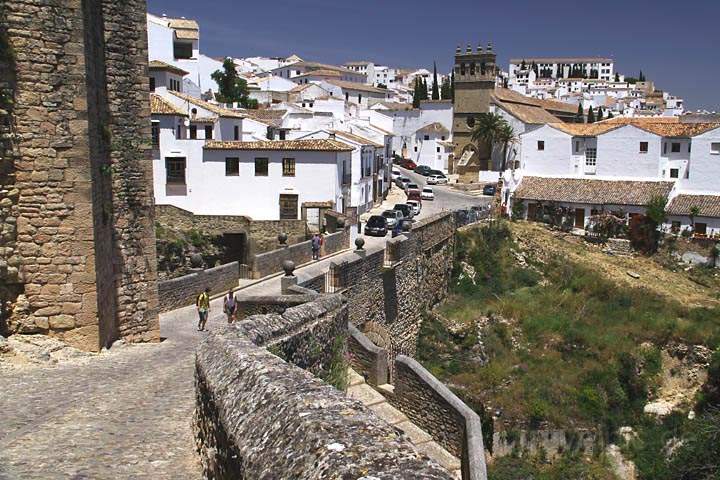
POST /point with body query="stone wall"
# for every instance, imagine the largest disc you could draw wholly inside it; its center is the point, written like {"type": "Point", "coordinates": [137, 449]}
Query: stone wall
{"type": "Point", "coordinates": [84, 244]}
{"type": "Point", "coordinates": [182, 291]}
{"type": "Point", "coordinates": [259, 416]}
{"type": "Point", "coordinates": [261, 234]}
{"type": "Point", "coordinates": [271, 262]}
{"type": "Point", "coordinates": [261, 305]}
{"type": "Point", "coordinates": [426, 401]}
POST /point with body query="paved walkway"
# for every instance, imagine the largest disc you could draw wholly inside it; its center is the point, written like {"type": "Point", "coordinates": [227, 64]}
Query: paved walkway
{"type": "Point", "coordinates": [120, 414]}
{"type": "Point", "coordinates": [359, 390]}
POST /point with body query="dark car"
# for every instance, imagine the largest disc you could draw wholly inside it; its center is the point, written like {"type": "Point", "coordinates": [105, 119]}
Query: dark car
{"type": "Point", "coordinates": [423, 170]}
{"type": "Point", "coordinates": [376, 226]}
{"type": "Point", "coordinates": [437, 172]}
{"type": "Point", "coordinates": [489, 189]}
{"type": "Point", "coordinates": [405, 209]}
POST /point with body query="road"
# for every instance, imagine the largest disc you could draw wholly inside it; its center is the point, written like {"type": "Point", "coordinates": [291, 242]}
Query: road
{"type": "Point", "coordinates": [445, 197]}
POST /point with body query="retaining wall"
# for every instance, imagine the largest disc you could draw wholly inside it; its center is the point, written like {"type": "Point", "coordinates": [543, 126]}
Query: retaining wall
{"type": "Point", "coordinates": [426, 401]}
{"type": "Point", "coordinates": [271, 262]}
{"type": "Point", "coordinates": [259, 416]}
{"type": "Point", "coordinates": [182, 291]}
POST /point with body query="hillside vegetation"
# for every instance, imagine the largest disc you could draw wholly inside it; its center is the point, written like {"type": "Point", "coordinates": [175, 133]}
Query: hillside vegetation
{"type": "Point", "coordinates": [546, 331]}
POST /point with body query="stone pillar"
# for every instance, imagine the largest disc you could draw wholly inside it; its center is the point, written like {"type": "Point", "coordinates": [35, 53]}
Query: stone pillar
{"type": "Point", "coordinates": [85, 244]}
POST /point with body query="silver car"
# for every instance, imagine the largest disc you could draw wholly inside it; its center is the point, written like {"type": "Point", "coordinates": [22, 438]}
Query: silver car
{"type": "Point", "coordinates": [392, 217]}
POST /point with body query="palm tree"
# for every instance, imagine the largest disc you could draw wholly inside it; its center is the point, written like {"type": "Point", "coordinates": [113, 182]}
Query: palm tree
{"type": "Point", "coordinates": [492, 129]}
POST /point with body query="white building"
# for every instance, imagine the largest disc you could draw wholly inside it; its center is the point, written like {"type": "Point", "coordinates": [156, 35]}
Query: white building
{"type": "Point", "coordinates": [376, 74]}
{"type": "Point", "coordinates": [301, 68]}
{"type": "Point", "coordinates": [431, 146]}
{"type": "Point", "coordinates": [602, 68]}
{"type": "Point", "coordinates": [617, 165]}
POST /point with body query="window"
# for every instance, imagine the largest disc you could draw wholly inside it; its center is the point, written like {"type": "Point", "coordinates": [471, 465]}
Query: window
{"type": "Point", "coordinates": [182, 50]}
{"type": "Point", "coordinates": [193, 132]}
{"type": "Point", "coordinates": [700, 228]}
{"type": "Point", "coordinates": [152, 84]}
{"type": "Point", "coordinates": [437, 149]}
{"type": "Point", "coordinates": [208, 132]}
{"type": "Point", "coordinates": [643, 147]}
{"type": "Point", "coordinates": [261, 167]}
{"type": "Point", "coordinates": [288, 207]}
{"type": "Point", "coordinates": [675, 147]}
{"type": "Point", "coordinates": [715, 148]}
{"type": "Point", "coordinates": [178, 134]}
{"type": "Point", "coordinates": [416, 149]}
{"type": "Point", "coordinates": [664, 148]}
{"type": "Point", "coordinates": [541, 145]}
{"type": "Point", "coordinates": [470, 121]}
{"type": "Point", "coordinates": [288, 167]}
{"type": "Point", "coordinates": [426, 137]}
{"type": "Point", "coordinates": [155, 135]}
{"type": "Point", "coordinates": [175, 170]}
{"type": "Point", "coordinates": [282, 134]}
{"type": "Point", "coordinates": [675, 226]}
{"type": "Point", "coordinates": [577, 146]}
{"type": "Point", "coordinates": [236, 132]}
{"type": "Point", "coordinates": [674, 173]}
{"type": "Point", "coordinates": [591, 157]}
{"type": "Point", "coordinates": [442, 138]}
{"type": "Point", "coordinates": [232, 167]}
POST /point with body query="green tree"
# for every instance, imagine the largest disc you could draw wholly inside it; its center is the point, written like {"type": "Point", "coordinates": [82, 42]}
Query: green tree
{"type": "Point", "coordinates": [641, 77]}
{"type": "Point", "coordinates": [446, 89]}
{"type": "Point", "coordinates": [610, 115]}
{"type": "Point", "coordinates": [580, 114]}
{"type": "Point", "coordinates": [452, 85]}
{"type": "Point", "coordinates": [617, 77]}
{"type": "Point", "coordinates": [491, 129]}
{"type": "Point", "coordinates": [591, 115]}
{"type": "Point", "coordinates": [424, 89]}
{"type": "Point", "coordinates": [694, 212]}
{"type": "Point", "coordinates": [600, 114]}
{"type": "Point", "coordinates": [416, 92]}
{"type": "Point", "coordinates": [231, 87]}
{"type": "Point", "coordinates": [435, 87]}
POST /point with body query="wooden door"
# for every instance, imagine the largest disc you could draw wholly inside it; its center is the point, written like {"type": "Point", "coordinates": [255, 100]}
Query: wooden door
{"type": "Point", "coordinates": [531, 211]}
{"type": "Point", "coordinates": [579, 218]}
{"type": "Point", "coordinates": [288, 207]}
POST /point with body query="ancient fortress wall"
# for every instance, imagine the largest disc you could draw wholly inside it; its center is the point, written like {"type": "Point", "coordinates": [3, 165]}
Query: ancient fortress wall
{"type": "Point", "coordinates": [261, 415]}
{"type": "Point", "coordinates": [80, 263]}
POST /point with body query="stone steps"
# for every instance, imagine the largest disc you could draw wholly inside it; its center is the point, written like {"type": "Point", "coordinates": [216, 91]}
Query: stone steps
{"type": "Point", "coordinates": [359, 390]}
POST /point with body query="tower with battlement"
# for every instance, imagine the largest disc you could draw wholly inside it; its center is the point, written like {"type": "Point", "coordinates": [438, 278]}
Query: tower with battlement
{"type": "Point", "coordinates": [475, 74]}
{"type": "Point", "coordinates": [77, 240]}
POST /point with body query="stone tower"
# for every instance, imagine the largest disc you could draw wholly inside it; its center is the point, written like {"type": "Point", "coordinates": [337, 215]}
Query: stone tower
{"type": "Point", "coordinates": [475, 74]}
{"type": "Point", "coordinates": [77, 240]}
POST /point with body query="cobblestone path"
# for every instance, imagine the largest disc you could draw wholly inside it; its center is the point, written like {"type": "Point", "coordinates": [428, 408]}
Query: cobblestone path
{"type": "Point", "coordinates": [121, 414]}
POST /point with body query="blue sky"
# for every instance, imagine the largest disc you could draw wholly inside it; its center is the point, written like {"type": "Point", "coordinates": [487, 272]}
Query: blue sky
{"type": "Point", "coordinates": [674, 43]}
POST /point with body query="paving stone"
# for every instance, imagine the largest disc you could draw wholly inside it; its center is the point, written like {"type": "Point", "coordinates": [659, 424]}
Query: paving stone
{"type": "Point", "coordinates": [440, 455]}
{"type": "Point", "coordinates": [389, 413]}
{"type": "Point", "coordinates": [365, 394]}
{"type": "Point", "coordinates": [415, 433]}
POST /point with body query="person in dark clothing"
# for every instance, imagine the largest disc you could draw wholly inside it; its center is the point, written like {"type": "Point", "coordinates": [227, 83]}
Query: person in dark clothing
{"type": "Point", "coordinates": [315, 243]}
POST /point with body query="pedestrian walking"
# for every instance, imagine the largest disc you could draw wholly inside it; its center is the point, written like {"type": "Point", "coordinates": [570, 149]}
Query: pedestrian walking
{"type": "Point", "coordinates": [230, 306]}
{"type": "Point", "coordinates": [203, 307]}
{"type": "Point", "coordinates": [315, 243]}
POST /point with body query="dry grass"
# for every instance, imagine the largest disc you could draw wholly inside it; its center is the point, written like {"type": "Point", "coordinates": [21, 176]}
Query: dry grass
{"type": "Point", "coordinates": [675, 286]}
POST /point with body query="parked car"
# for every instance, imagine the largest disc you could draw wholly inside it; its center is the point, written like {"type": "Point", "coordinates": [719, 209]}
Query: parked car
{"type": "Point", "coordinates": [489, 189]}
{"type": "Point", "coordinates": [376, 226]}
{"type": "Point", "coordinates": [405, 209]}
{"type": "Point", "coordinates": [415, 205]}
{"type": "Point", "coordinates": [427, 194]}
{"type": "Point", "coordinates": [437, 172]}
{"type": "Point", "coordinates": [423, 170]}
{"type": "Point", "coordinates": [436, 180]}
{"type": "Point", "coordinates": [409, 164]}
{"type": "Point", "coordinates": [412, 186]}
{"type": "Point", "coordinates": [395, 174]}
{"type": "Point", "coordinates": [402, 182]}
{"type": "Point", "coordinates": [392, 217]}
{"type": "Point", "coordinates": [414, 194]}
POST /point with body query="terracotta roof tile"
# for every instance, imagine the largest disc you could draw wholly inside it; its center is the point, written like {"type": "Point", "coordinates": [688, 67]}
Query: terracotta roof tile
{"type": "Point", "coordinates": [594, 192]}
{"type": "Point", "coordinates": [211, 107]}
{"type": "Point", "coordinates": [356, 138]}
{"type": "Point", "coordinates": [709, 205]}
{"type": "Point", "coordinates": [435, 127]}
{"type": "Point", "coordinates": [528, 113]}
{"type": "Point", "coordinates": [357, 86]}
{"type": "Point", "coordinates": [325, 145]}
{"type": "Point", "coordinates": [270, 117]}
{"type": "Point", "coordinates": [160, 106]}
{"type": "Point", "coordinates": [159, 65]}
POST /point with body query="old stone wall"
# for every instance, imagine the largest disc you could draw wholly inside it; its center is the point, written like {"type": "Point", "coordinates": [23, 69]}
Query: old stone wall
{"type": "Point", "coordinates": [261, 305]}
{"type": "Point", "coordinates": [182, 291]}
{"type": "Point", "coordinates": [271, 262]}
{"type": "Point", "coordinates": [261, 234]}
{"type": "Point", "coordinates": [259, 416]}
{"type": "Point", "coordinates": [82, 197]}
